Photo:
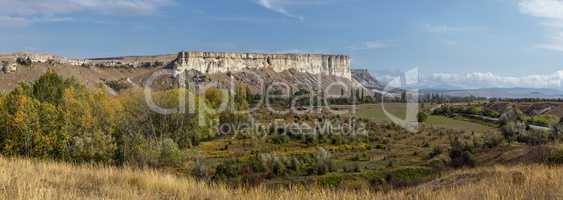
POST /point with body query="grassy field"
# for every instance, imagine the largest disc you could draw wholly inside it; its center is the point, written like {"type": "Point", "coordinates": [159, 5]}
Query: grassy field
{"type": "Point", "coordinates": [458, 124]}
{"type": "Point", "coordinates": [27, 179]}
{"type": "Point", "coordinates": [375, 112]}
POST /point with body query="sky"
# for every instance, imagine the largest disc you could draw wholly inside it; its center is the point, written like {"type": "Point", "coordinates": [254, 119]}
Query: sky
{"type": "Point", "coordinates": [505, 43]}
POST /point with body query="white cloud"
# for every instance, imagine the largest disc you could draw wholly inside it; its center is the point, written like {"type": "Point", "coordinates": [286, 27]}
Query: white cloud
{"type": "Point", "coordinates": [281, 6]}
{"type": "Point", "coordinates": [372, 45]}
{"type": "Point", "coordinates": [551, 11]}
{"type": "Point", "coordinates": [490, 80]}
{"type": "Point", "coordinates": [448, 29]}
{"type": "Point", "coordinates": [7, 21]}
{"type": "Point", "coordinates": [25, 12]}
{"type": "Point", "coordinates": [542, 8]}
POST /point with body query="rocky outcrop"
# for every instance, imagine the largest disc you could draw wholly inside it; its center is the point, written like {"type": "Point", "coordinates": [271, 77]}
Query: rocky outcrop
{"type": "Point", "coordinates": [363, 77]}
{"type": "Point", "coordinates": [216, 62]}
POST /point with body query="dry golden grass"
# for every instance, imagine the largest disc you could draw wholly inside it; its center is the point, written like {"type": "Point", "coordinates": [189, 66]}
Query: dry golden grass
{"type": "Point", "coordinates": [27, 179]}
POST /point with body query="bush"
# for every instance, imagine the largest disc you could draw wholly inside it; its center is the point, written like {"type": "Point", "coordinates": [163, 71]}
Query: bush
{"type": "Point", "coordinates": [437, 150]}
{"type": "Point", "coordinates": [280, 139]}
{"type": "Point", "coordinates": [278, 167]}
{"type": "Point", "coordinates": [534, 137]}
{"type": "Point", "coordinates": [118, 85]}
{"type": "Point", "coordinates": [331, 180]}
{"type": "Point", "coordinates": [460, 154]}
{"type": "Point", "coordinates": [422, 117]}
{"type": "Point", "coordinates": [170, 154]}
{"type": "Point", "coordinates": [555, 156]}
{"type": "Point", "coordinates": [295, 165]}
{"type": "Point", "coordinates": [407, 176]}
{"type": "Point", "coordinates": [512, 129]}
{"type": "Point", "coordinates": [543, 120]}
{"type": "Point", "coordinates": [227, 170]}
{"type": "Point", "coordinates": [322, 163]}
{"type": "Point", "coordinates": [200, 170]}
{"type": "Point", "coordinates": [492, 140]}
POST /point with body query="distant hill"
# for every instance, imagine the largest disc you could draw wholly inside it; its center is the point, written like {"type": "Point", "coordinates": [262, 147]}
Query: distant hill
{"type": "Point", "coordinates": [502, 93]}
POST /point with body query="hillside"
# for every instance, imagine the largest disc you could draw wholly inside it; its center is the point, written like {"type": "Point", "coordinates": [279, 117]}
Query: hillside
{"type": "Point", "coordinates": [29, 179]}
{"type": "Point", "coordinates": [297, 71]}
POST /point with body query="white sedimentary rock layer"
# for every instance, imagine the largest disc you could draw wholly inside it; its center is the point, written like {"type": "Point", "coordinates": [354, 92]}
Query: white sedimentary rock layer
{"type": "Point", "coordinates": [215, 62]}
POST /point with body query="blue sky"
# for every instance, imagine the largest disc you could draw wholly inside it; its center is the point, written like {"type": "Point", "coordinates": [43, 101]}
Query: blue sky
{"type": "Point", "coordinates": [476, 40]}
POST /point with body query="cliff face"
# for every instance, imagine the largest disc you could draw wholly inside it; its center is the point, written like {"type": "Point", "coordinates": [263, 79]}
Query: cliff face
{"type": "Point", "coordinates": [363, 77]}
{"type": "Point", "coordinates": [214, 62]}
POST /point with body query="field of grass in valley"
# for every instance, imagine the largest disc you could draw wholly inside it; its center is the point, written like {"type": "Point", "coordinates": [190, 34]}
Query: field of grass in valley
{"type": "Point", "coordinates": [375, 113]}
{"type": "Point", "coordinates": [30, 179]}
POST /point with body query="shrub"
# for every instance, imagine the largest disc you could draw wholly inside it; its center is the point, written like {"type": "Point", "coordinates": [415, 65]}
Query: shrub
{"type": "Point", "coordinates": [331, 180]}
{"type": "Point", "coordinates": [295, 165]}
{"type": "Point", "coordinates": [534, 137]}
{"type": "Point", "coordinates": [422, 117]}
{"type": "Point", "coordinates": [200, 170]}
{"type": "Point", "coordinates": [492, 140]}
{"type": "Point", "coordinates": [437, 164]}
{"type": "Point", "coordinates": [512, 129]}
{"type": "Point", "coordinates": [228, 169]}
{"type": "Point", "coordinates": [437, 150]}
{"type": "Point", "coordinates": [322, 163]}
{"type": "Point", "coordinates": [278, 167]}
{"type": "Point", "coordinates": [407, 176]}
{"type": "Point", "coordinates": [460, 154]}
{"type": "Point", "coordinates": [280, 139]}
{"type": "Point", "coordinates": [260, 163]}
{"type": "Point", "coordinates": [555, 156]}
{"type": "Point", "coordinates": [118, 85]}
{"type": "Point", "coordinates": [170, 154]}
{"type": "Point", "coordinates": [543, 120]}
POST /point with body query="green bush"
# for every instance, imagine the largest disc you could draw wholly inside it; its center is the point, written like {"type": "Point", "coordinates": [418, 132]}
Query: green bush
{"type": "Point", "coordinates": [227, 170]}
{"type": "Point", "coordinates": [331, 180]}
{"type": "Point", "coordinates": [170, 154]}
{"type": "Point", "coordinates": [492, 140]}
{"type": "Point", "coordinates": [280, 139]}
{"type": "Point", "coordinates": [437, 150]}
{"type": "Point", "coordinates": [422, 117]}
{"type": "Point", "coordinates": [460, 154]}
{"type": "Point", "coordinates": [200, 170]}
{"type": "Point", "coordinates": [534, 137]}
{"type": "Point", "coordinates": [407, 176]}
{"type": "Point", "coordinates": [278, 167]}
{"type": "Point", "coordinates": [543, 120]}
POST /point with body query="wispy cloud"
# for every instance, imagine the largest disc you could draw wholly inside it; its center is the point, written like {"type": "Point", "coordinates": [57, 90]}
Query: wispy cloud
{"type": "Point", "coordinates": [551, 11]}
{"type": "Point", "coordinates": [542, 8]}
{"type": "Point", "coordinates": [281, 6]}
{"type": "Point", "coordinates": [448, 29]}
{"type": "Point", "coordinates": [278, 6]}
{"type": "Point", "coordinates": [19, 13]}
{"type": "Point", "coordinates": [7, 21]}
{"type": "Point", "coordinates": [372, 45]}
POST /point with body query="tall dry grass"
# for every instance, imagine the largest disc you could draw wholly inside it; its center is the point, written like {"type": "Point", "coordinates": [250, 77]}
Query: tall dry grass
{"type": "Point", "coordinates": [28, 179]}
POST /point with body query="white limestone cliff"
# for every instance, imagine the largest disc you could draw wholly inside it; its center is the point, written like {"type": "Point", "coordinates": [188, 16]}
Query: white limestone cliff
{"type": "Point", "coordinates": [218, 62]}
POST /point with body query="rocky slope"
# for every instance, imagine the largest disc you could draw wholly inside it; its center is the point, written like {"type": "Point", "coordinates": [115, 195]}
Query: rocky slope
{"type": "Point", "coordinates": [312, 72]}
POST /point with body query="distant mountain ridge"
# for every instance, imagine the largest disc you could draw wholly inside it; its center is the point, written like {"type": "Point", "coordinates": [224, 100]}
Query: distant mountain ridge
{"type": "Point", "coordinates": [545, 93]}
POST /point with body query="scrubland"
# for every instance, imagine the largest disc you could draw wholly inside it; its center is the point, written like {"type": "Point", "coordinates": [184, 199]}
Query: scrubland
{"type": "Point", "coordinates": [32, 179]}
